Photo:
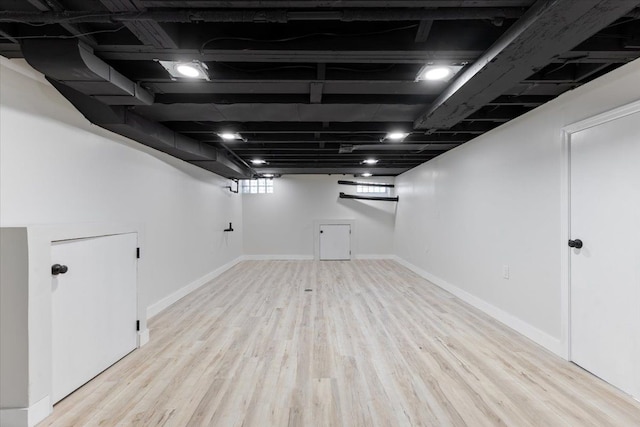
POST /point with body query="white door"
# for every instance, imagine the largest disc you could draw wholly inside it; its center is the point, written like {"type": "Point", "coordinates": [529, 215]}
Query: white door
{"type": "Point", "coordinates": [93, 308]}
{"type": "Point", "coordinates": [335, 241]}
{"type": "Point", "coordinates": [605, 272]}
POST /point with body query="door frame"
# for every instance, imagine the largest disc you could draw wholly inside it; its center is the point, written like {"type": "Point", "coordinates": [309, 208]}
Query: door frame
{"type": "Point", "coordinates": [316, 234]}
{"type": "Point", "coordinates": [565, 213]}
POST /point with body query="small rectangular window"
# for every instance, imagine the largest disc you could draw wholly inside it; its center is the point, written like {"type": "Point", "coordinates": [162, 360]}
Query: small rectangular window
{"type": "Point", "coordinates": [373, 189]}
{"type": "Point", "coordinates": [257, 186]}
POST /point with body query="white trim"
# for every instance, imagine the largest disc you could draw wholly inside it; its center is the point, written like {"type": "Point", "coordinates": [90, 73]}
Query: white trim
{"type": "Point", "coordinates": [547, 341]}
{"type": "Point", "coordinates": [565, 233]}
{"type": "Point", "coordinates": [565, 213]}
{"type": "Point", "coordinates": [277, 257]}
{"type": "Point", "coordinates": [605, 117]}
{"type": "Point", "coordinates": [376, 256]}
{"type": "Point", "coordinates": [143, 337]}
{"type": "Point", "coordinates": [26, 417]}
{"type": "Point", "coordinates": [165, 302]}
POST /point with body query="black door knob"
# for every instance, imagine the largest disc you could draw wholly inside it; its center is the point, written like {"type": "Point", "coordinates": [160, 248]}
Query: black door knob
{"type": "Point", "coordinates": [321, 231]}
{"type": "Point", "coordinates": [575, 243]}
{"type": "Point", "coordinates": [58, 269]}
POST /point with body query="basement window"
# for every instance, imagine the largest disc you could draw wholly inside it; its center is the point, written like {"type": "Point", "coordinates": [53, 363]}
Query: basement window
{"type": "Point", "coordinates": [257, 186]}
{"type": "Point", "coordinates": [373, 189]}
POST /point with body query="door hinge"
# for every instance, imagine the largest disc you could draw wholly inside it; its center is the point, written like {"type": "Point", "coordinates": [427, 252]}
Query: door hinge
{"type": "Point", "coordinates": [137, 325]}
{"type": "Point", "coordinates": [137, 252]}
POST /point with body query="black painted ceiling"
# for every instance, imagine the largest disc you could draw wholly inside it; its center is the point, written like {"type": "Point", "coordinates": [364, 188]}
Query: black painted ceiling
{"type": "Point", "coordinates": [314, 86]}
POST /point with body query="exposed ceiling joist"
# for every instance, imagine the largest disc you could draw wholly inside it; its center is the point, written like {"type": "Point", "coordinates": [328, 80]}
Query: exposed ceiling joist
{"type": "Point", "coordinates": [424, 29]}
{"type": "Point", "coordinates": [316, 86]}
{"type": "Point", "coordinates": [334, 3]}
{"type": "Point", "coordinates": [257, 16]}
{"type": "Point", "coordinates": [548, 29]}
{"type": "Point", "coordinates": [8, 36]}
{"type": "Point", "coordinates": [147, 31]}
{"type": "Point", "coordinates": [56, 6]}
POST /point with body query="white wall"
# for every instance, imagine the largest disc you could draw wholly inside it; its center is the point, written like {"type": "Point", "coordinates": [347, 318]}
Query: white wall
{"type": "Point", "coordinates": [55, 167]}
{"type": "Point", "coordinates": [496, 201]}
{"type": "Point", "coordinates": [282, 223]}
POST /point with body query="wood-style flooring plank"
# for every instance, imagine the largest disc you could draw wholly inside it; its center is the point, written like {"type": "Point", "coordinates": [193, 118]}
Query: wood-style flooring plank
{"type": "Point", "coordinates": [371, 344]}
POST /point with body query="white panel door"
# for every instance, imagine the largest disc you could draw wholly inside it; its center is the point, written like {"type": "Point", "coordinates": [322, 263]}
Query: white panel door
{"type": "Point", "coordinates": [335, 241]}
{"type": "Point", "coordinates": [93, 308]}
{"type": "Point", "coordinates": [605, 272]}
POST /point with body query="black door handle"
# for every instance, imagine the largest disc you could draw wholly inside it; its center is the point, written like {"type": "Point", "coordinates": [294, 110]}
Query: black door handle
{"type": "Point", "coordinates": [575, 243]}
{"type": "Point", "coordinates": [321, 231]}
{"type": "Point", "coordinates": [58, 269]}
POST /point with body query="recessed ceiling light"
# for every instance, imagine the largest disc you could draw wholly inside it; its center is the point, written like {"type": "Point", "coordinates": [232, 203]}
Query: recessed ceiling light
{"type": "Point", "coordinates": [186, 69]}
{"type": "Point", "coordinates": [259, 162]}
{"type": "Point", "coordinates": [267, 175]}
{"type": "Point", "coordinates": [395, 136]}
{"type": "Point", "coordinates": [370, 161]}
{"type": "Point", "coordinates": [367, 174]}
{"type": "Point", "coordinates": [437, 72]}
{"type": "Point", "coordinates": [230, 136]}
{"type": "Point", "coordinates": [440, 73]}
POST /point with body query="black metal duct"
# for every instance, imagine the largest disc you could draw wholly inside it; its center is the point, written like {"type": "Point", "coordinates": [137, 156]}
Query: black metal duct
{"type": "Point", "coordinates": [73, 63]}
{"type": "Point", "coordinates": [101, 94]}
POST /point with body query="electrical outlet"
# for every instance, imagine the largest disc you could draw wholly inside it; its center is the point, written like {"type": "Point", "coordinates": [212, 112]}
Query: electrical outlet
{"type": "Point", "coordinates": [505, 271]}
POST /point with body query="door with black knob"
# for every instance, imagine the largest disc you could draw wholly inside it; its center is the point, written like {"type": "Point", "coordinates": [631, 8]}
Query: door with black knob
{"type": "Point", "coordinates": [94, 307]}
{"type": "Point", "coordinates": [575, 244]}
{"type": "Point", "coordinates": [604, 254]}
{"type": "Point", "coordinates": [335, 242]}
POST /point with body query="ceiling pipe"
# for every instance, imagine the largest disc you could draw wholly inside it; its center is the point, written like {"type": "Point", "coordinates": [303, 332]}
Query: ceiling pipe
{"type": "Point", "coordinates": [528, 45]}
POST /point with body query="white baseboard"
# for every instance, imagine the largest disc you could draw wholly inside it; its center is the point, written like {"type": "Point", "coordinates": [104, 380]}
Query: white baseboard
{"type": "Point", "coordinates": [375, 256]}
{"type": "Point", "coordinates": [308, 257]}
{"type": "Point", "coordinates": [277, 257]}
{"type": "Point", "coordinates": [165, 302]}
{"type": "Point", "coordinates": [143, 337]}
{"type": "Point", "coordinates": [26, 417]}
{"type": "Point", "coordinates": [534, 334]}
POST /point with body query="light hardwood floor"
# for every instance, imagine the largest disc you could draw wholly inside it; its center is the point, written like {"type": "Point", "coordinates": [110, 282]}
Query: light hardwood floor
{"type": "Point", "coordinates": [372, 344]}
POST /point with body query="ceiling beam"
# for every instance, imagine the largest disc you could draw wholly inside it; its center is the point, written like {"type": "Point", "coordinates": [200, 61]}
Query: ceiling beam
{"type": "Point", "coordinates": [280, 112]}
{"type": "Point", "coordinates": [532, 42]}
{"type": "Point", "coordinates": [423, 31]}
{"type": "Point", "coordinates": [262, 98]}
{"type": "Point", "coordinates": [148, 53]}
{"type": "Point", "coordinates": [311, 168]}
{"type": "Point", "coordinates": [309, 4]}
{"type": "Point", "coordinates": [290, 127]}
{"type": "Point", "coordinates": [345, 87]}
{"type": "Point", "coordinates": [76, 30]}
{"type": "Point", "coordinates": [127, 15]}
{"type": "Point", "coordinates": [6, 35]}
{"type": "Point", "coordinates": [147, 31]}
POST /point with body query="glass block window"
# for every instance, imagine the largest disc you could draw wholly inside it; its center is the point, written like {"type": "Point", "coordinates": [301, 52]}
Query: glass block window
{"type": "Point", "coordinates": [372, 189]}
{"type": "Point", "coordinates": [257, 186]}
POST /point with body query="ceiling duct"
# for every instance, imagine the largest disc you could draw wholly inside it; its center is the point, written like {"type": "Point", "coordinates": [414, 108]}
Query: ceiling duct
{"type": "Point", "coordinates": [102, 95]}
{"type": "Point", "coordinates": [73, 63]}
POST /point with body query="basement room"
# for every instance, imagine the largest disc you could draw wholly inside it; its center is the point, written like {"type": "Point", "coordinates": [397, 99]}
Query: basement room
{"type": "Point", "coordinates": [319, 213]}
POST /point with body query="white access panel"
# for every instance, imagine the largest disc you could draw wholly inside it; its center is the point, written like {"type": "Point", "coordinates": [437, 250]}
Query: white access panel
{"type": "Point", "coordinates": [335, 242]}
{"type": "Point", "coordinates": [605, 272]}
{"type": "Point", "coordinates": [93, 308]}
